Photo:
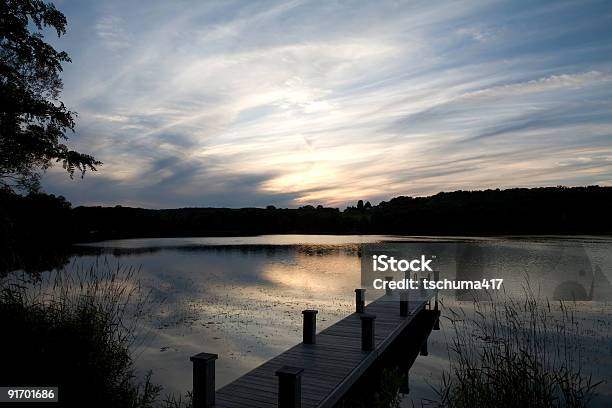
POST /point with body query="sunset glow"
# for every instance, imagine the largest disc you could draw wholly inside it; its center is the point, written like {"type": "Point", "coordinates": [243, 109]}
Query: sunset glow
{"type": "Point", "coordinates": [292, 103]}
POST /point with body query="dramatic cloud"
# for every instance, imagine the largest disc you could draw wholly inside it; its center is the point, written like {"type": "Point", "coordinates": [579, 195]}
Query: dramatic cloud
{"type": "Point", "coordinates": [287, 103]}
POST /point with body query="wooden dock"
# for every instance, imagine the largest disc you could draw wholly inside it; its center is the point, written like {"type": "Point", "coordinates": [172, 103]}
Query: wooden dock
{"type": "Point", "coordinates": [320, 374]}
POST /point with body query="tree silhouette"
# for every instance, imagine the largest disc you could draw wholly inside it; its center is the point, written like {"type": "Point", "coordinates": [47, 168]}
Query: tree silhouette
{"type": "Point", "coordinates": [33, 120]}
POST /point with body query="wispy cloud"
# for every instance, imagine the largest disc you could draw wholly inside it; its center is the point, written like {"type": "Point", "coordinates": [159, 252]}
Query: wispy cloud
{"type": "Point", "coordinates": [549, 83]}
{"type": "Point", "coordinates": [111, 32]}
{"type": "Point", "coordinates": [249, 103]}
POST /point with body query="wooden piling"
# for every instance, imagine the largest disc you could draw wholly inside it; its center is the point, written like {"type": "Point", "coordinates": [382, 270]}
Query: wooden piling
{"type": "Point", "coordinates": [368, 336]}
{"type": "Point", "coordinates": [359, 300]}
{"type": "Point", "coordinates": [404, 303]}
{"type": "Point", "coordinates": [289, 387]}
{"type": "Point", "coordinates": [388, 291]}
{"type": "Point", "coordinates": [203, 380]}
{"type": "Point", "coordinates": [309, 334]}
{"type": "Point", "coordinates": [424, 351]}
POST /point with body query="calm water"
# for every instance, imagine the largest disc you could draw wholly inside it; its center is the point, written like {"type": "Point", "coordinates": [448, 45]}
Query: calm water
{"type": "Point", "coordinates": [241, 297]}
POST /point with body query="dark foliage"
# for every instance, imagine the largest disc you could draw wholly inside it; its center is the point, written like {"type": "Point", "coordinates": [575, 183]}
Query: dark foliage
{"type": "Point", "coordinates": [34, 231]}
{"type": "Point", "coordinates": [553, 210]}
{"type": "Point", "coordinates": [41, 226]}
{"type": "Point", "coordinates": [33, 121]}
{"type": "Point", "coordinates": [75, 330]}
{"type": "Point", "coordinates": [546, 210]}
{"type": "Point", "coordinates": [98, 222]}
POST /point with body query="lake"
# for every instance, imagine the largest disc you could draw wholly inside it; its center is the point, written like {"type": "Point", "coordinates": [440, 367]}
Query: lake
{"type": "Point", "coordinates": [241, 297]}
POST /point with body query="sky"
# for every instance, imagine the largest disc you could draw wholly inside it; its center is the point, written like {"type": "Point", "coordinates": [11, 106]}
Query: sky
{"type": "Point", "coordinates": [250, 103]}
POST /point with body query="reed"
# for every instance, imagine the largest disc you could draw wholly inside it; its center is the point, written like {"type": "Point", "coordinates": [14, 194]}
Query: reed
{"type": "Point", "coordinates": [515, 352]}
{"type": "Point", "coordinates": [76, 330]}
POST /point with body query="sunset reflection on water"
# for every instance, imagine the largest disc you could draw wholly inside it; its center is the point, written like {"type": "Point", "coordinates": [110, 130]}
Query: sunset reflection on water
{"type": "Point", "coordinates": [242, 297]}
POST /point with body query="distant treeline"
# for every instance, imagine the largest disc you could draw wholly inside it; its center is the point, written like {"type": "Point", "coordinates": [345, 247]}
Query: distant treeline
{"type": "Point", "coordinates": [40, 219]}
{"type": "Point", "coordinates": [555, 210]}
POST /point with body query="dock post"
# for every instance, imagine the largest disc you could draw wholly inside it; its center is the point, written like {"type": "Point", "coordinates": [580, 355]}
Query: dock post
{"type": "Point", "coordinates": [436, 279]}
{"type": "Point", "coordinates": [368, 338]}
{"type": "Point", "coordinates": [405, 387]}
{"type": "Point", "coordinates": [436, 325]}
{"type": "Point", "coordinates": [359, 300]}
{"type": "Point", "coordinates": [404, 303]}
{"type": "Point", "coordinates": [203, 380]}
{"type": "Point", "coordinates": [388, 291]}
{"type": "Point", "coordinates": [310, 326]}
{"type": "Point", "coordinates": [424, 351]}
{"type": "Point", "coordinates": [429, 301]}
{"type": "Point", "coordinates": [289, 387]}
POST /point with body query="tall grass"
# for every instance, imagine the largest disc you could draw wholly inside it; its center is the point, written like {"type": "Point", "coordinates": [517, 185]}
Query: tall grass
{"type": "Point", "coordinates": [75, 330]}
{"type": "Point", "coordinates": [511, 352]}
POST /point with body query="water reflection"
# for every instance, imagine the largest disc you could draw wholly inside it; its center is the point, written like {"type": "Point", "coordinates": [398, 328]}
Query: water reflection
{"type": "Point", "coordinates": [241, 297]}
{"type": "Point", "coordinates": [561, 270]}
{"type": "Point", "coordinates": [242, 302]}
